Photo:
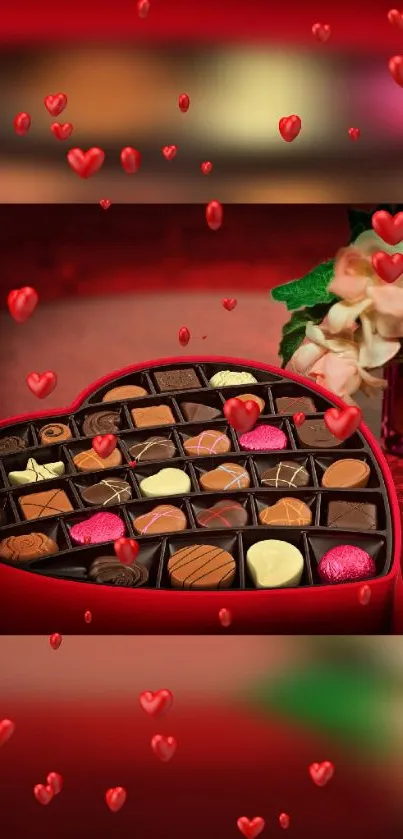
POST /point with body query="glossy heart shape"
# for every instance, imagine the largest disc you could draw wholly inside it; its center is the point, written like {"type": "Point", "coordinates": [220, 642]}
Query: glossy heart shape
{"type": "Point", "coordinates": [143, 8]}
{"type": "Point", "coordinates": [104, 444]}
{"type": "Point", "coordinates": [130, 159]}
{"type": "Point", "coordinates": [395, 18]}
{"type": "Point", "coordinates": [43, 794]}
{"type": "Point", "coordinates": [55, 103]}
{"type": "Point", "coordinates": [7, 729]}
{"type": "Point", "coordinates": [22, 302]}
{"type": "Point", "coordinates": [322, 32]}
{"type": "Point", "coordinates": [229, 303]}
{"type": "Point", "coordinates": [169, 152]}
{"type": "Point", "coordinates": [250, 828]}
{"type": "Point", "coordinates": [395, 66]}
{"type": "Point", "coordinates": [115, 798]}
{"type": "Point", "coordinates": [225, 617]}
{"type": "Point", "coordinates": [55, 640]}
{"type": "Point", "coordinates": [241, 415]}
{"type": "Point", "coordinates": [290, 127]}
{"type": "Point", "coordinates": [184, 336]}
{"type": "Point", "coordinates": [343, 423]}
{"type": "Point", "coordinates": [157, 702]}
{"type": "Point", "coordinates": [88, 616]}
{"type": "Point", "coordinates": [284, 820]}
{"type": "Point", "coordinates": [126, 550]}
{"type": "Point", "coordinates": [105, 203]}
{"type": "Point", "coordinates": [354, 133]}
{"type": "Point", "coordinates": [22, 124]}
{"type": "Point", "coordinates": [321, 773]}
{"type": "Point", "coordinates": [206, 167]}
{"type": "Point", "coordinates": [214, 215]}
{"type": "Point", "coordinates": [299, 418]}
{"type": "Point", "coordinates": [85, 163]}
{"type": "Point", "coordinates": [388, 227]}
{"type": "Point", "coordinates": [364, 595]}
{"type": "Point", "coordinates": [61, 130]}
{"type": "Point", "coordinates": [55, 782]}
{"type": "Point", "coordinates": [388, 266]}
{"type": "Point", "coordinates": [184, 103]}
{"type": "Point", "coordinates": [42, 384]}
{"type": "Point", "coordinates": [163, 747]}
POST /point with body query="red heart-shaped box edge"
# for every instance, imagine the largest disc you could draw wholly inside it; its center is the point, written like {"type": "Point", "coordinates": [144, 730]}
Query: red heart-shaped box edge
{"type": "Point", "coordinates": [32, 603]}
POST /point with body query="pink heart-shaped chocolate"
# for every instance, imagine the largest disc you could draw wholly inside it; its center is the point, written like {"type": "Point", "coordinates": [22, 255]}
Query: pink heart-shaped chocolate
{"type": "Point", "coordinates": [102, 527]}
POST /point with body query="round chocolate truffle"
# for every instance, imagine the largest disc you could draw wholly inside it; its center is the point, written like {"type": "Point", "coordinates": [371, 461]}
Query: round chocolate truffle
{"type": "Point", "coordinates": [26, 547]}
{"type": "Point", "coordinates": [108, 570]}
{"type": "Point", "coordinates": [54, 432]}
{"type": "Point", "coordinates": [201, 567]}
{"type": "Point", "coordinates": [101, 422]}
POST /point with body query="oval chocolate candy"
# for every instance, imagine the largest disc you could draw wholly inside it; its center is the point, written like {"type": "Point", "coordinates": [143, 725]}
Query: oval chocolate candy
{"type": "Point", "coordinates": [107, 492]}
{"type": "Point", "coordinates": [348, 473]}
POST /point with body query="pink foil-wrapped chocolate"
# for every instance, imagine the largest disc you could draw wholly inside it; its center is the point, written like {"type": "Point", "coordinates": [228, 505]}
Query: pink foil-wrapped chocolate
{"type": "Point", "coordinates": [102, 527]}
{"type": "Point", "coordinates": [346, 564]}
{"type": "Point", "coordinates": [263, 438]}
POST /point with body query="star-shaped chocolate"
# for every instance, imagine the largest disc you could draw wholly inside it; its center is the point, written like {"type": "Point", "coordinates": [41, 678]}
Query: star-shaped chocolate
{"type": "Point", "coordinates": [36, 472]}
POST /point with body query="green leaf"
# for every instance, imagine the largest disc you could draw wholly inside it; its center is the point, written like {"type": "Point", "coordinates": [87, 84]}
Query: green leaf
{"type": "Point", "coordinates": [308, 290]}
{"type": "Point", "coordinates": [293, 332]}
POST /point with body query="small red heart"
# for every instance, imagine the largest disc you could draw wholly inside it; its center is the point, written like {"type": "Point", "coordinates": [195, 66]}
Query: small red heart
{"type": "Point", "coordinates": [156, 703]}
{"type": "Point", "coordinates": [396, 18]}
{"type": "Point", "coordinates": [22, 302]}
{"type": "Point", "coordinates": [241, 415]}
{"type": "Point", "coordinates": [163, 747]}
{"type": "Point", "coordinates": [88, 616]}
{"type": "Point", "coordinates": [343, 423]}
{"type": "Point", "coordinates": [7, 729]}
{"type": "Point", "coordinates": [132, 463]}
{"type": "Point", "coordinates": [115, 798]}
{"type": "Point", "coordinates": [169, 152]}
{"type": "Point", "coordinates": [43, 794]}
{"type": "Point", "coordinates": [299, 418]}
{"type": "Point", "coordinates": [321, 773]}
{"type": "Point", "coordinates": [61, 130]}
{"type": "Point", "coordinates": [143, 8]}
{"type": "Point", "coordinates": [225, 617]}
{"type": "Point", "coordinates": [364, 595]}
{"type": "Point", "coordinates": [322, 32]}
{"type": "Point", "coordinates": [22, 124]}
{"type": "Point", "coordinates": [42, 384]}
{"type": "Point", "coordinates": [55, 782]}
{"type": "Point", "coordinates": [184, 103]}
{"type": "Point", "coordinates": [229, 303]}
{"type": "Point", "coordinates": [290, 127]}
{"type": "Point", "coordinates": [396, 69]}
{"type": "Point", "coordinates": [184, 336]}
{"type": "Point", "coordinates": [56, 103]}
{"type": "Point", "coordinates": [87, 540]}
{"type": "Point", "coordinates": [130, 159]}
{"type": "Point", "coordinates": [55, 640]}
{"type": "Point", "coordinates": [104, 444]}
{"type": "Point", "coordinates": [251, 827]}
{"type": "Point", "coordinates": [214, 215]}
{"type": "Point", "coordinates": [388, 266]}
{"type": "Point", "coordinates": [86, 163]}
{"type": "Point", "coordinates": [284, 820]}
{"type": "Point", "coordinates": [388, 227]}
{"type": "Point", "coordinates": [354, 133]}
{"type": "Point", "coordinates": [126, 550]}
{"type": "Point", "coordinates": [206, 167]}
{"type": "Point", "coordinates": [105, 203]}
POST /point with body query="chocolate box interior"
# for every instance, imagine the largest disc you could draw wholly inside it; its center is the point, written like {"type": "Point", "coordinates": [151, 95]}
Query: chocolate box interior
{"type": "Point", "coordinates": [72, 561]}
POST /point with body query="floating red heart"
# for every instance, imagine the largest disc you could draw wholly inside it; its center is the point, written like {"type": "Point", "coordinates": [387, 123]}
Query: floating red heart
{"type": "Point", "coordinates": [22, 302]}
{"type": "Point", "coordinates": [388, 266]}
{"type": "Point", "coordinates": [364, 595]}
{"type": "Point", "coordinates": [241, 415]}
{"type": "Point", "coordinates": [251, 827]}
{"type": "Point", "coordinates": [22, 124]}
{"type": "Point", "coordinates": [321, 773]}
{"type": "Point", "coordinates": [396, 69]}
{"type": "Point", "coordinates": [169, 152]}
{"type": "Point", "coordinates": [115, 798]}
{"type": "Point", "coordinates": [322, 32]}
{"type": "Point", "coordinates": [55, 640]}
{"type": "Point", "coordinates": [104, 444]}
{"type": "Point", "coordinates": [343, 423]}
{"type": "Point", "coordinates": [225, 617]}
{"type": "Point", "coordinates": [284, 820]}
{"type": "Point", "coordinates": [42, 384]}
{"type": "Point", "coordinates": [88, 616]}
{"type": "Point", "coordinates": [184, 336]}
{"type": "Point", "coordinates": [229, 303]}
{"type": "Point", "coordinates": [299, 418]}
{"type": "Point", "coordinates": [126, 550]}
{"type": "Point", "coordinates": [184, 103]}
{"type": "Point", "coordinates": [143, 8]}
{"type": "Point", "coordinates": [206, 167]}
{"type": "Point", "coordinates": [130, 159]}
{"type": "Point", "coordinates": [157, 702]}
{"type": "Point", "coordinates": [7, 729]}
{"type": "Point", "coordinates": [56, 103]}
{"type": "Point", "coordinates": [354, 133]}
{"type": "Point", "coordinates": [43, 794]}
{"type": "Point", "coordinates": [163, 747]}
{"type": "Point", "coordinates": [388, 227]}
{"type": "Point", "coordinates": [105, 203]}
{"type": "Point", "coordinates": [290, 127]}
{"type": "Point", "coordinates": [86, 163]}
{"type": "Point", "coordinates": [396, 18]}
{"type": "Point", "coordinates": [61, 130]}
{"type": "Point", "coordinates": [55, 782]}
{"type": "Point", "coordinates": [214, 215]}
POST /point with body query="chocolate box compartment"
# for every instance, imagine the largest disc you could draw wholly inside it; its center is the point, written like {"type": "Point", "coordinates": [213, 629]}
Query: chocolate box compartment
{"type": "Point", "coordinates": [84, 480]}
{"type": "Point", "coordinates": [43, 454]}
{"type": "Point", "coordinates": [211, 368]}
{"type": "Point", "coordinates": [203, 502]}
{"type": "Point", "coordinates": [24, 430]}
{"type": "Point", "coordinates": [205, 397]}
{"type": "Point", "coordinates": [34, 489]}
{"type": "Point", "coordinates": [207, 464]}
{"type": "Point", "coordinates": [75, 565]}
{"type": "Point", "coordinates": [284, 534]}
{"type": "Point", "coordinates": [322, 462]}
{"type": "Point", "coordinates": [65, 419]}
{"type": "Point", "coordinates": [153, 402]}
{"type": "Point", "coordinates": [131, 438]}
{"type": "Point", "coordinates": [140, 379]}
{"type": "Point", "coordinates": [273, 422]}
{"type": "Point", "coordinates": [145, 470]}
{"type": "Point", "coordinates": [8, 512]}
{"type": "Point", "coordinates": [357, 496]}
{"type": "Point", "coordinates": [374, 544]}
{"type": "Point", "coordinates": [221, 539]}
{"type": "Point", "coordinates": [261, 391]}
{"type": "Point", "coordinates": [192, 430]}
{"type": "Point", "coordinates": [268, 497]}
{"type": "Point", "coordinates": [52, 527]}
{"type": "Point", "coordinates": [110, 407]}
{"type": "Point", "coordinates": [292, 390]}
{"type": "Point", "coordinates": [354, 442]}
{"type": "Point", "coordinates": [134, 509]}
{"type": "Point", "coordinates": [177, 368]}
{"type": "Point", "coordinates": [261, 462]}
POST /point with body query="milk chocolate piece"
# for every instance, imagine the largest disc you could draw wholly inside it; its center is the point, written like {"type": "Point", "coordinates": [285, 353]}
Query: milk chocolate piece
{"type": "Point", "coordinates": [201, 567]}
{"type": "Point", "coordinates": [295, 405]}
{"type": "Point", "coordinates": [117, 394]}
{"type": "Point", "coordinates": [101, 422]}
{"type": "Point", "coordinates": [206, 443]}
{"type": "Point", "coordinates": [348, 473]}
{"type": "Point", "coordinates": [107, 492]}
{"type": "Point", "coordinates": [154, 448]}
{"type": "Point", "coordinates": [89, 460]}
{"type": "Point", "coordinates": [224, 513]}
{"type": "Point", "coordinates": [54, 432]}
{"type": "Point", "coordinates": [314, 434]}
{"type": "Point", "coordinates": [197, 412]}
{"type": "Point", "coordinates": [108, 570]}
{"type": "Point", "coordinates": [12, 443]}
{"type": "Point", "coordinates": [27, 547]}
{"type": "Point", "coordinates": [251, 397]}
{"type": "Point", "coordinates": [177, 379]}
{"type": "Point", "coordinates": [352, 514]}
{"type": "Point", "coordinates": [38, 505]}
{"type": "Point", "coordinates": [165, 518]}
{"type": "Point", "coordinates": [286, 473]}
{"type": "Point", "coordinates": [227, 476]}
{"type": "Point", "coordinates": [287, 512]}
{"type": "Point", "coordinates": [154, 415]}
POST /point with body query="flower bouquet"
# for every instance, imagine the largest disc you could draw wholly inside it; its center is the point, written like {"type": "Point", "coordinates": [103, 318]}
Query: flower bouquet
{"type": "Point", "coordinates": [347, 317]}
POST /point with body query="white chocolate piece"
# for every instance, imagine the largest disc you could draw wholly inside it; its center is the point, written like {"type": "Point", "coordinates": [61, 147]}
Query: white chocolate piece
{"type": "Point", "coordinates": [36, 472]}
{"type": "Point", "coordinates": [232, 377]}
{"type": "Point", "coordinates": [273, 563]}
{"type": "Point", "coordinates": [166, 482]}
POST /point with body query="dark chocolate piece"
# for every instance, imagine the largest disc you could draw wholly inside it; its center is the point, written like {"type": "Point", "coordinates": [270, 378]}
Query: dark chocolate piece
{"type": "Point", "coordinates": [224, 513]}
{"type": "Point", "coordinates": [352, 514]}
{"type": "Point", "coordinates": [286, 473]}
{"type": "Point", "coordinates": [197, 412]}
{"type": "Point", "coordinates": [314, 434]}
{"type": "Point", "coordinates": [54, 432]}
{"type": "Point", "coordinates": [107, 492]}
{"type": "Point", "coordinates": [295, 404]}
{"type": "Point", "coordinates": [11, 444]}
{"type": "Point", "coordinates": [201, 567]}
{"type": "Point", "coordinates": [26, 547]}
{"type": "Point", "coordinates": [108, 570]}
{"type": "Point", "coordinates": [154, 448]}
{"type": "Point", "coordinates": [38, 505]}
{"type": "Point", "coordinates": [101, 422]}
{"type": "Point", "coordinates": [177, 379]}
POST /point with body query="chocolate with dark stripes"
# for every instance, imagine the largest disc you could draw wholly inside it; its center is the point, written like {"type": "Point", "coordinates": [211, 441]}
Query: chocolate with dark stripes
{"type": "Point", "coordinates": [154, 448]}
{"type": "Point", "coordinates": [108, 570]}
{"type": "Point", "coordinates": [286, 473]}
{"type": "Point", "coordinates": [295, 404]}
{"type": "Point", "coordinates": [224, 513]}
{"type": "Point", "coordinates": [201, 567]}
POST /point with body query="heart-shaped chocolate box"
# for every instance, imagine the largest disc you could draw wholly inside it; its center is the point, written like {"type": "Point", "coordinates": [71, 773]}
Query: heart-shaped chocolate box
{"type": "Point", "coordinates": [52, 592]}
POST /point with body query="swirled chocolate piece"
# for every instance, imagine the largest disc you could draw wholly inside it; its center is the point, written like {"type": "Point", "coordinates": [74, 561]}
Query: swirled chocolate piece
{"type": "Point", "coordinates": [108, 570]}
{"type": "Point", "coordinates": [26, 547]}
{"type": "Point", "coordinates": [117, 394]}
{"type": "Point", "coordinates": [54, 432]}
{"type": "Point", "coordinates": [11, 444]}
{"type": "Point", "coordinates": [206, 443]}
{"type": "Point", "coordinates": [287, 473]}
{"type": "Point", "coordinates": [201, 567]}
{"type": "Point", "coordinates": [101, 422]}
{"type": "Point", "coordinates": [154, 448]}
{"type": "Point", "coordinates": [107, 492]}
{"type": "Point", "coordinates": [165, 518]}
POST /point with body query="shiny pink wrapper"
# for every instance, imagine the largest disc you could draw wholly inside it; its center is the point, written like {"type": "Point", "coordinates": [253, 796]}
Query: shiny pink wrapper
{"type": "Point", "coordinates": [264, 438]}
{"type": "Point", "coordinates": [346, 563]}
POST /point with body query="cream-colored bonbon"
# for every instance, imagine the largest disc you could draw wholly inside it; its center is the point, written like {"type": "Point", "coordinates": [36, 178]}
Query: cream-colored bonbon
{"type": "Point", "coordinates": [273, 563]}
{"type": "Point", "coordinates": [232, 377]}
{"type": "Point", "coordinates": [166, 482]}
